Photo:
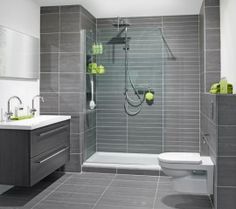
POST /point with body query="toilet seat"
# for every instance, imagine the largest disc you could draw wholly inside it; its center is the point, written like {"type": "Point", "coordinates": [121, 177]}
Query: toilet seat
{"type": "Point", "coordinates": [180, 158]}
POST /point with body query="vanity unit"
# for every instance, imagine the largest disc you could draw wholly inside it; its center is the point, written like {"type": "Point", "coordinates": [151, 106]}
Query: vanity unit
{"type": "Point", "coordinates": [32, 149]}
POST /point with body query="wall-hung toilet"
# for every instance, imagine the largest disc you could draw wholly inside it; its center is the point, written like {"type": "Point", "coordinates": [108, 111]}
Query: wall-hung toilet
{"type": "Point", "coordinates": [190, 172]}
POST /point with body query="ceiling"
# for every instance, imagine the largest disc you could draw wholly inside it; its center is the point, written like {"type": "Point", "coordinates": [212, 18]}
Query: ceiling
{"type": "Point", "coordinates": [132, 8]}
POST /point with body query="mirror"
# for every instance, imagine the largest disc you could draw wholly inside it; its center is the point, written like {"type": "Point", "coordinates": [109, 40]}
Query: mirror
{"type": "Point", "coordinates": [19, 55]}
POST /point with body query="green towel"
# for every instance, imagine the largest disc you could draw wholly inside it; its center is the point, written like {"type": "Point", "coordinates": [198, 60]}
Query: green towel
{"type": "Point", "coordinates": [215, 88]}
{"type": "Point", "coordinates": [22, 117]}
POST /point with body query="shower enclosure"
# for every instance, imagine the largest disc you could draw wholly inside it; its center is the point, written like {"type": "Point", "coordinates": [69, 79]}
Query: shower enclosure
{"type": "Point", "coordinates": [134, 57]}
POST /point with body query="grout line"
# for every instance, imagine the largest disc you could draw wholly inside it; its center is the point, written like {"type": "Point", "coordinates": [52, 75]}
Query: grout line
{"type": "Point", "coordinates": [51, 192]}
{"type": "Point", "coordinates": [104, 191]}
{"type": "Point", "coordinates": [155, 197]}
{"type": "Point", "coordinates": [59, 67]}
{"type": "Point", "coordinates": [163, 92]}
{"type": "Point", "coordinates": [200, 93]}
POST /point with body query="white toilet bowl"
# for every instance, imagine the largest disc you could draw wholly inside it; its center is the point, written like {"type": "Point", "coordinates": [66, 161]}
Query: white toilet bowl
{"type": "Point", "coordinates": [191, 173]}
{"type": "Point", "coordinates": [170, 160]}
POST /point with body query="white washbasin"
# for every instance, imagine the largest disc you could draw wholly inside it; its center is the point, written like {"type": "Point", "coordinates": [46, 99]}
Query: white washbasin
{"type": "Point", "coordinates": [34, 123]}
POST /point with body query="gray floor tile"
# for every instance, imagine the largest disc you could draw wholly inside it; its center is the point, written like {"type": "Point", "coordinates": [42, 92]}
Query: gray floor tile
{"type": "Point", "coordinates": [57, 205]}
{"type": "Point", "coordinates": [104, 206]}
{"type": "Point", "coordinates": [65, 197]}
{"type": "Point", "coordinates": [107, 176]}
{"type": "Point", "coordinates": [81, 189]}
{"type": "Point", "coordinates": [131, 191]}
{"type": "Point", "coordinates": [88, 181]}
{"type": "Point", "coordinates": [134, 184]}
{"type": "Point", "coordinates": [125, 200]}
{"type": "Point", "coordinates": [27, 197]}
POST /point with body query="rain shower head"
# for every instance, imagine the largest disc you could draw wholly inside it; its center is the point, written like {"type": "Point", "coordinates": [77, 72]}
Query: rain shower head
{"type": "Point", "coordinates": [121, 23]}
{"type": "Point", "coordinates": [118, 40]}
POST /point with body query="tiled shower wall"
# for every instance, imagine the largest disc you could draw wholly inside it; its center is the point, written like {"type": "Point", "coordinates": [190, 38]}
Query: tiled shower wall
{"type": "Point", "coordinates": [213, 131]}
{"type": "Point", "coordinates": [172, 123]}
{"type": "Point", "coordinates": [63, 75]}
{"type": "Point", "coordinates": [210, 43]}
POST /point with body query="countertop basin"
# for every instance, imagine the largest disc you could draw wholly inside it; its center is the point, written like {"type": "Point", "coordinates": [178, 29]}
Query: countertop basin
{"type": "Point", "coordinates": [34, 123]}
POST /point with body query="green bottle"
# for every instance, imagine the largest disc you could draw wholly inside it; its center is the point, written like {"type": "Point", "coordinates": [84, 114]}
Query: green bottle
{"type": "Point", "coordinates": [223, 86]}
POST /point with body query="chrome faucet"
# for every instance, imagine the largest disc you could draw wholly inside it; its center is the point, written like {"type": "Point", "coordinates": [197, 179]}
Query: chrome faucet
{"type": "Point", "coordinates": [9, 112]}
{"type": "Point", "coordinates": [33, 110]}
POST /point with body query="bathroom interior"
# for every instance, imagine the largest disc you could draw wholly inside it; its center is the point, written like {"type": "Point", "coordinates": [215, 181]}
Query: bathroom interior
{"type": "Point", "coordinates": [117, 104]}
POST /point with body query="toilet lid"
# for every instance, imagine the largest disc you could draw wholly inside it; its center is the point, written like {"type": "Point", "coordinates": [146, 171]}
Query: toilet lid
{"type": "Point", "coordinates": [180, 158]}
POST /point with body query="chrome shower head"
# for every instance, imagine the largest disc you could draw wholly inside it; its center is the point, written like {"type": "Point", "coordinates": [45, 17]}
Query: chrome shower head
{"type": "Point", "coordinates": [121, 23]}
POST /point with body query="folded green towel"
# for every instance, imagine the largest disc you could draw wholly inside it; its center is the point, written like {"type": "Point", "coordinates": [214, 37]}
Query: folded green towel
{"type": "Point", "coordinates": [22, 117]}
{"type": "Point", "coordinates": [215, 88]}
{"type": "Point", "coordinates": [214, 91]}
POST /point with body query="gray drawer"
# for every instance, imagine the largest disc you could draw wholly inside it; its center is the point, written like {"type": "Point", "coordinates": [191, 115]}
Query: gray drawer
{"type": "Point", "coordinates": [46, 163]}
{"type": "Point", "coordinates": [50, 137]}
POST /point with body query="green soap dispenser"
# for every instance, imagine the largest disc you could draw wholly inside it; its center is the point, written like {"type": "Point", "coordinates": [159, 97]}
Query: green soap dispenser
{"type": "Point", "coordinates": [223, 86]}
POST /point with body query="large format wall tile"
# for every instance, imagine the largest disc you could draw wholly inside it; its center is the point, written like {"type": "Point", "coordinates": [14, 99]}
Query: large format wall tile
{"type": "Point", "coordinates": [227, 110]}
{"type": "Point", "coordinates": [226, 171]}
{"type": "Point", "coordinates": [210, 43]}
{"type": "Point", "coordinates": [49, 62]}
{"type": "Point", "coordinates": [63, 75]}
{"type": "Point", "coordinates": [49, 23]}
{"type": "Point", "coordinates": [226, 141]}
{"type": "Point", "coordinates": [49, 42]}
{"type": "Point", "coordinates": [212, 17]}
{"type": "Point", "coordinates": [71, 82]}
{"type": "Point", "coordinates": [49, 82]}
{"type": "Point", "coordinates": [69, 62]}
{"type": "Point", "coordinates": [226, 197]}
{"type": "Point", "coordinates": [70, 42]}
{"type": "Point", "coordinates": [70, 22]}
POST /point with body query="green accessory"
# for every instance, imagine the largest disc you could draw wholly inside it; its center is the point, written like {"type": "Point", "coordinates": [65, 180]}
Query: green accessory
{"type": "Point", "coordinates": [230, 88]}
{"type": "Point", "coordinates": [94, 49]}
{"type": "Point", "coordinates": [22, 117]}
{"type": "Point", "coordinates": [100, 69]}
{"type": "Point", "coordinates": [97, 49]}
{"type": "Point", "coordinates": [215, 88]}
{"type": "Point", "coordinates": [223, 86]}
{"type": "Point", "coordinates": [93, 68]}
{"type": "Point", "coordinates": [149, 96]}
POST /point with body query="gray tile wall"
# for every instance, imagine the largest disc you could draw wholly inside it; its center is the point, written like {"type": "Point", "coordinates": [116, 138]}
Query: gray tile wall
{"type": "Point", "coordinates": [210, 43]}
{"type": "Point", "coordinates": [209, 74]}
{"type": "Point", "coordinates": [218, 132]}
{"type": "Point", "coordinates": [209, 132]}
{"type": "Point", "coordinates": [63, 75]}
{"type": "Point", "coordinates": [172, 123]}
{"type": "Point", "coordinates": [182, 84]}
{"type": "Point", "coordinates": [226, 156]}
{"type": "Point", "coordinates": [117, 132]}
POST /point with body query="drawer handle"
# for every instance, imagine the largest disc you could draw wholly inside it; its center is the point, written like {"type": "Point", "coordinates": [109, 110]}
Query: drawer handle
{"type": "Point", "coordinates": [52, 131]}
{"type": "Point", "coordinates": [51, 156]}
